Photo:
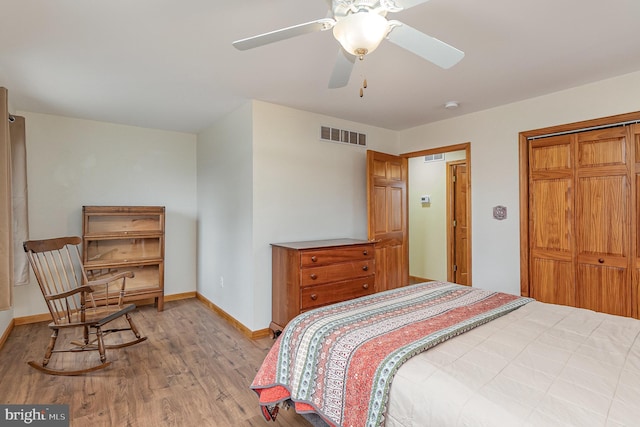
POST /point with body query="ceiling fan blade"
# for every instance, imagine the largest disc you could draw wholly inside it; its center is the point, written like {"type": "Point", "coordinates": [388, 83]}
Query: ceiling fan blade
{"type": "Point", "coordinates": [284, 33]}
{"type": "Point", "coordinates": [427, 47]}
{"type": "Point", "coordinates": [342, 70]}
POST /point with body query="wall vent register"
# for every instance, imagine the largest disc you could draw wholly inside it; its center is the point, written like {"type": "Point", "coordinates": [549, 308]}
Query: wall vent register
{"type": "Point", "coordinates": [433, 157]}
{"type": "Point", "coordinates": [344, 136]}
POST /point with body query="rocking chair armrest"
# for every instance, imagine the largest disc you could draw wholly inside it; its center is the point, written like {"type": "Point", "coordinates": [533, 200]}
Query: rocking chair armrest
{"type": "Point", "coordinates": [79, 289]}
{"type": "Point", "coordinates": [113, 278]}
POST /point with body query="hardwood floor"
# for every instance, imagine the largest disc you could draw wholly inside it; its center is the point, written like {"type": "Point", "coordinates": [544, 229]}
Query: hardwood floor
{"type": "Point", "coordinates": [194, 370]}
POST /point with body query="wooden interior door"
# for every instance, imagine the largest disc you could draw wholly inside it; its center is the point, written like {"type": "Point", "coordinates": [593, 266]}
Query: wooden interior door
{"type": "Point", "coordinates": [551, 216]}
{"type": "Point", "coordinates": [458, 214]}
{"type": "Point", "coordinates": [387, 218]}
{"type": "Point", "coordinates": [603, 226]}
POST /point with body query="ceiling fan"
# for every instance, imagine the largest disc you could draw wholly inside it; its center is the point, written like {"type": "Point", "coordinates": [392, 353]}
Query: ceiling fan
{"type": "Point", "coordinates": [360, 26]}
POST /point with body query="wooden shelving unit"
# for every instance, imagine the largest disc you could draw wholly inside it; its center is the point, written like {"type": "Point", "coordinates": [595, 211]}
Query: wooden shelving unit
{"type": "Point", "coordinates": [120, 238]}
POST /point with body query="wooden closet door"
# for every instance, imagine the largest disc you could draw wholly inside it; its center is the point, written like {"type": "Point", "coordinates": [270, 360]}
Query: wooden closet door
{"type": "Point", "coordinates": [551, 217]}
{"type": "Point", "coordinates": [635, 236]}
{"type": "Point", "coordinates": [603, 221]}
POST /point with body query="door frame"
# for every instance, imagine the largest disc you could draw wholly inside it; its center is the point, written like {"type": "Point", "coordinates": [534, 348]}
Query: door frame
{"type": "Point", "coordinates": [466, 146]}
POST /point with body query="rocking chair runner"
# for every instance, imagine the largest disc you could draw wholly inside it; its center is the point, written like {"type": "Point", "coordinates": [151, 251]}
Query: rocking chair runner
{"type": "Point", "coordinates": [76, 302]}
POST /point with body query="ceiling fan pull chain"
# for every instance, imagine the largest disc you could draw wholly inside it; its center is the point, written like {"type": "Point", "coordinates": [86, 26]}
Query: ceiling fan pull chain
{"type": "Point", "coordinates": [364, 86]}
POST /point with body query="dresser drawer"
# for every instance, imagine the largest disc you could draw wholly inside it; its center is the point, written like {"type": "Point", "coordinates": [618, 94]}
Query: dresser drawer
{"type": "Point", "coordinates": [336, 272]}
{"type": "Point", "coordinates": [313, 273]}
{"type": "Point", "coordinates": [334, 255]}
{"type": "Point", "coordinates": [319, 295]}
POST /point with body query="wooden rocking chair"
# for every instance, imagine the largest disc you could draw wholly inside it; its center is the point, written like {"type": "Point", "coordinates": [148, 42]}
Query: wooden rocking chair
{"type": "Point", "coordinates": [76, 302]}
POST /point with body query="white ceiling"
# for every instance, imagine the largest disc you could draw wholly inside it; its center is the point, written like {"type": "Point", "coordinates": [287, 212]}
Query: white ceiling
{"type": "Point", "coordinates": [169, 64]}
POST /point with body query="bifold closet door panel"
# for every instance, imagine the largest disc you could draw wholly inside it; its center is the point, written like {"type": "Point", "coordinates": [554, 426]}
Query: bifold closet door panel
{"type": "Point", "coordinates": [551, 216]}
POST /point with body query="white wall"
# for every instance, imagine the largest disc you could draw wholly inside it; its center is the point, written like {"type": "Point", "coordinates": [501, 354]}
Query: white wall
{"type": "Point", "coordinates": [6, 316]}
{"type": "Point", "coordinates": [73, 162]}
{"type": "Point", "coordinates": [225, 214]}
{"type": "Point", "coordinates": [264, 177]}
{"type": "Point", "coordinates": [494, 163]}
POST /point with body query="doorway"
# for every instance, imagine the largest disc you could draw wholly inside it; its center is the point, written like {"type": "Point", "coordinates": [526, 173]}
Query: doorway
{"type": "Point", "coordinates": [439, 217]}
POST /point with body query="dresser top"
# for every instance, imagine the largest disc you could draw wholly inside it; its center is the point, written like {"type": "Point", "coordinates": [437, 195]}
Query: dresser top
{"type": "Point", "coordinates": [313, 244]}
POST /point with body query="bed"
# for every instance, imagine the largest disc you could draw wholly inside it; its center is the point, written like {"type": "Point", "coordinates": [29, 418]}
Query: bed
{"type": "Point", "coordinates": [439, 354]}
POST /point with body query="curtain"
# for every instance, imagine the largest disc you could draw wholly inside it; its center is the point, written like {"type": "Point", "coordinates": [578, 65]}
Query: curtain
{"type": "Point", "coordinates": [6, 210]}
{"type": "Point", "coordinates": [19, 199]}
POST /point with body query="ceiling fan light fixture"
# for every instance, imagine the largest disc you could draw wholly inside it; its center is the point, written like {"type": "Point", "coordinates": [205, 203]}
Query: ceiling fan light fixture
{"type": "Point", "coordinates": [360, 33]}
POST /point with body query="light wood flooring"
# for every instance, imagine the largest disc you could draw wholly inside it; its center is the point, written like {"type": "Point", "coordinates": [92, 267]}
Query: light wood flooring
{"type": "Point", "coordinates": [194, 370]}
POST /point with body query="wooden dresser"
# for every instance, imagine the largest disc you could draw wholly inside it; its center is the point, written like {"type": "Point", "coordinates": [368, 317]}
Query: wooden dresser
{"type": "Point", "coordinates": [311, 274]}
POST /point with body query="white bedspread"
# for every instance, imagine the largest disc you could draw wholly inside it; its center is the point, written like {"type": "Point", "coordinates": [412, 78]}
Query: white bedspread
{"type": "Point", "coordinates": [541, 365]}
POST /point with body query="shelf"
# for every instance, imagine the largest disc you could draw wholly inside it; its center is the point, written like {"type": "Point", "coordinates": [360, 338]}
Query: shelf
{"type": "Point", "coordinates": [126, 238]}
{"type": "Point", "coordinates": [123, 250]}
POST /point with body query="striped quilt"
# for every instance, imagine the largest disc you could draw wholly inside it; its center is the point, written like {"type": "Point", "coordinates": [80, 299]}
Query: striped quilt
{"type": "Point", "coordinates": [338, 361]}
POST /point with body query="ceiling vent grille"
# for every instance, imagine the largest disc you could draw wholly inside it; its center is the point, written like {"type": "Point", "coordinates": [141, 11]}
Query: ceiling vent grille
{"type": "Point", "coordinates": [343, 136]}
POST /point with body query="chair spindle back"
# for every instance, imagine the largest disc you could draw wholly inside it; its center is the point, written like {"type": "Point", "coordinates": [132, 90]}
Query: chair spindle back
{"type": "Point", "coordinates": [57, 265]}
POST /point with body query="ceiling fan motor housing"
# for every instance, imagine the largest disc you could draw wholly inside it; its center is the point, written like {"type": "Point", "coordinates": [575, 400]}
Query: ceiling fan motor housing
{"type": "Point", "coordinates": [361, 32]}
{"type": "Point", "coordinates": [342, 8]}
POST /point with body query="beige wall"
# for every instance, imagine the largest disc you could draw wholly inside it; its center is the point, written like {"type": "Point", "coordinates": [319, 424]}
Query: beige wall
{"type": "Point", "coordinates": [225, 214]}
{"type": "Point", "coordinates": [494, 163]}
{"type": "Point", "coordinates": [428, 221]}
{"type": "Point", "coordinates": [291, 186]}
{"type": "Point", "coordinates": [73, 162]}
{"type": "Point", "coordinates": [287, 185]}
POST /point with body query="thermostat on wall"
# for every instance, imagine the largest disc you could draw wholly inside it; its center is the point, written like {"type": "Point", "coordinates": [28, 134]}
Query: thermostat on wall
{"type": "Point", "coordinates": [425, 199]}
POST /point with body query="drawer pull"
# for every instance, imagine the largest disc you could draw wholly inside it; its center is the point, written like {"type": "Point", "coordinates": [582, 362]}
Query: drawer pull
{"type": "Point", "coordinates": [365, 252]}
{"type": "Point", "coordinates": [601, 260]}
{"type": "Point", "coordinates": [365, 267]}
{"type": "Point", "coordinates": [314, 259]}
{"type": "Point", "coordinates": [314, 297]}
{"type": "Point", "coordinates": [365, 286]}
{"type": "Point", "coordinates": [314, 276]}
